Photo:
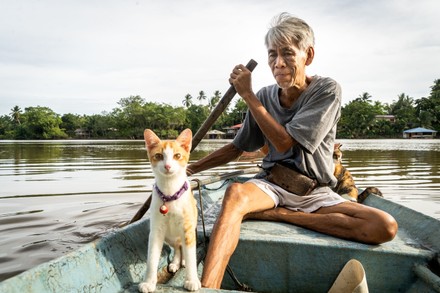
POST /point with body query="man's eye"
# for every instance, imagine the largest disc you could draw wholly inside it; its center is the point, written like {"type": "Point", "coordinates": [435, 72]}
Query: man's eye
{"type": "Point", "coordinates": [158, 157]}
{"type": "Point", "coordinates": [289, 54]}
{"type": "Point", "coordinates": [177, 156]}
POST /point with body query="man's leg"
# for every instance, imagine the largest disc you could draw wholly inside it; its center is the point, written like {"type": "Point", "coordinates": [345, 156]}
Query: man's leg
{"type": "Point", "coordinates": [239, 200]}
{"type": "Point", "coordinates": [347, 220]}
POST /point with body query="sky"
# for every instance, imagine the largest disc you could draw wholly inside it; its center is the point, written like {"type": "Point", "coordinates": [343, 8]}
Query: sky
{"type": "Point", "coordinates": [82, 57]}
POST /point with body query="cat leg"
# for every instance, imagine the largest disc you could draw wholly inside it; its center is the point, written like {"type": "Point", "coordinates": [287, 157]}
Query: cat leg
{"type": "Point", "coordinates": [155, 244]}
{"type": "Point", "coordinates": [174, 266]}
{"type": "Point", "coordinates": [192, 282]}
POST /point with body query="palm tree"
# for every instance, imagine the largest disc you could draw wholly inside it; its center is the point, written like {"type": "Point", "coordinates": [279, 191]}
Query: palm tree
{"type": "Point", "coordinates": [187, 101]}
{"type": "Point", "coordinates": [365, 97]}
{"type": "Point", "coordinates": [201, 96]}
{"type": "Point", "coordinates": [214, 99]}
{"type": "Point", "coordinates": [15, 114]}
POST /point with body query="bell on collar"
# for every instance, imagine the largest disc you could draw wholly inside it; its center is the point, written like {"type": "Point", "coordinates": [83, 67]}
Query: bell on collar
{"type": "Point", "coordinates": [163, 209]}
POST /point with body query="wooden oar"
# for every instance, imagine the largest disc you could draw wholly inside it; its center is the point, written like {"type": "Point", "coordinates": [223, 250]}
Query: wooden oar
{"type": "Point", "coordinates": [218, 110]}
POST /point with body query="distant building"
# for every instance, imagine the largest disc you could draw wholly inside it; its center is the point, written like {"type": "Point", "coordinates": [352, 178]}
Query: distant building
{"type": "Point", "coordinates": [419, 132]}
{"type": "Point", "coordinates": [390, 118]}
{"type": "Point", "coordinates": [82, 133]}
{"type": "Point", "coordinates": [215, 134]}
{"type": "Point", "coordinates": [231, 131]}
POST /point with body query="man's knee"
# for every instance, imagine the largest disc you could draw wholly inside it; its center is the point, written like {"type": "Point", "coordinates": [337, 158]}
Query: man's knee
{"type": "Point", "coordinates": [384, 228]}
{"type": "Point", "coordinates": [235, 197]}
{"type": "Point", "coordinates": [390, 227]}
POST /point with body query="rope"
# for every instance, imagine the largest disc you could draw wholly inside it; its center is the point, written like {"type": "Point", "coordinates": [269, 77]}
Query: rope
{"type": "Point", "coordinates": [202, 216]}
{"type": "Point", "coordinates": [225, 182]}
{"type": "Point", "coordinates": [241, 286]}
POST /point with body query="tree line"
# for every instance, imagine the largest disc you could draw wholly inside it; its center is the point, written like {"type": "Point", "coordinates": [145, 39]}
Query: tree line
{"type": "Point", "coordinates": [359, 118]}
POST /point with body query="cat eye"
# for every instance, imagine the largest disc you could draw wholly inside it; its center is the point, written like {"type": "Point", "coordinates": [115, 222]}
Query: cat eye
{"type": "Point", "coordinates": [177, 156]}
{"type": "Point", "coordinates": [158, 157]}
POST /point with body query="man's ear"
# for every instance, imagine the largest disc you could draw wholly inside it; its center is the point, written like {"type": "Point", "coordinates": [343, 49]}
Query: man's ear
{"type": "Point", "coordinates": [310, 55]}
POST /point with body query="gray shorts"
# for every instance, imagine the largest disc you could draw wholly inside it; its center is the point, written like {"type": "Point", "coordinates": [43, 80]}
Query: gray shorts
{"type": "Point", "coordinates": [320, 197]}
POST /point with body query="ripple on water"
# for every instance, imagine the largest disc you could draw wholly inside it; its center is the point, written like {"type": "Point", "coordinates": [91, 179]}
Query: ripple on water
{"type": "Point", "coordinates": [103, 184]}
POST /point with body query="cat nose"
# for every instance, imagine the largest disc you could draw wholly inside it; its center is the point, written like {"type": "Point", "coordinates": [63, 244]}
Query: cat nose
{"type": "Point", "coordinates": [167, 167]}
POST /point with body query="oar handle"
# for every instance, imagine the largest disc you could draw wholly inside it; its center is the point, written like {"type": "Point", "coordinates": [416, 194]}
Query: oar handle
{"type": "Point", "coordinates": [218, 110]}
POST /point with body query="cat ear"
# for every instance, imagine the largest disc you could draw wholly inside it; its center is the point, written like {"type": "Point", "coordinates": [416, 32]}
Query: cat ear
{"type": "Point", "coordinates": [185, 139]}
{"type": "Point", "coordinates": [151, 139]}
{"type": "Point", "coordinates": [337, 146]}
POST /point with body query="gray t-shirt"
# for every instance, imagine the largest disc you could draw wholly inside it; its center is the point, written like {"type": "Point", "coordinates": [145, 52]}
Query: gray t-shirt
{"type": "Point", "coordinates": [311, 121]}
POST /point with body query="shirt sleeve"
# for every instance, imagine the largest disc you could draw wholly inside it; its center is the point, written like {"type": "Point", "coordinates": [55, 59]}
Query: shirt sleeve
{"type": "Point", "coordinates": [317, 116]}
{"type": "Point", "coordinates": [250, 137]}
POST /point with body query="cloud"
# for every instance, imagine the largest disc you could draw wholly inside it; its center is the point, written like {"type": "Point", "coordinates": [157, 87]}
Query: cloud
{"type": "Point", "coordinates": [83, 56]}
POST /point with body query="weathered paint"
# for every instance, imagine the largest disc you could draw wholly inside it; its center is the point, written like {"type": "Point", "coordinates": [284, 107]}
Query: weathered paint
{"type": "Point", "coordinates": [274, 257]}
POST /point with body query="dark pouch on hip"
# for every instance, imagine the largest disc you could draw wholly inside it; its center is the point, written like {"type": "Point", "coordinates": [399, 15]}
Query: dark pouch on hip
{"type": "Point", "coordinates": [291, 180]}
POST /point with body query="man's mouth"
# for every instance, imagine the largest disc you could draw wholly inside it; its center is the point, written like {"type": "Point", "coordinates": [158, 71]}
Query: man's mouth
{"type": "Point", "coordinates": [282, 74]}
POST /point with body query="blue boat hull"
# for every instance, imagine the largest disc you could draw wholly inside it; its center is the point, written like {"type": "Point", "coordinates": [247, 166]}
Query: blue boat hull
{"type": "Point", "coordinates": [270, 257]}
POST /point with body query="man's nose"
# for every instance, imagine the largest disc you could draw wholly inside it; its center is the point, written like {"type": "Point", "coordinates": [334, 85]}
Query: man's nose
{"type": "Point", "coordinates": [279, 62]}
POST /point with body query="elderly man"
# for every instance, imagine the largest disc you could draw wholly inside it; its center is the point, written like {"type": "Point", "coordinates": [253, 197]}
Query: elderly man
{"type": "Point", "coordinates": [296, 118]}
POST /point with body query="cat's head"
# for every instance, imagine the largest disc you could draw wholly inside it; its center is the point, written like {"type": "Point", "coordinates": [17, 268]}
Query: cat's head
{"type": "Point", "coordinates": [168, 157]}
{"type": "Point", "coordinates": [337, 154]}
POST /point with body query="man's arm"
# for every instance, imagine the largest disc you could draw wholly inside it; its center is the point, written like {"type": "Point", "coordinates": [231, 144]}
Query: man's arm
{"type": "Point", "coordinates": [273, 131]}
{"type": "Point", "coordinates": [220, 157]}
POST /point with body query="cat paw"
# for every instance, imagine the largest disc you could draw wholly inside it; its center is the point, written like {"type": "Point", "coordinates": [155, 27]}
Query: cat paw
{"type": "Point", "coordinates": [192, 285]}
{"type": "Point", "coordinates": [172, 268]}
{"type": "Point", "coordinates": [147, 287]}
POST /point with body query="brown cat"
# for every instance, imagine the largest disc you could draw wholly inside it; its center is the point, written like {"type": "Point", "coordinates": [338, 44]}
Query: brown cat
{"type": "Point", "coordinates": [346, 186]}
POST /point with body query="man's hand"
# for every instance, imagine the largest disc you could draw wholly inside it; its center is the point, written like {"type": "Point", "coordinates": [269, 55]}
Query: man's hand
{"type": "Point", "coordinates": [241, 79]}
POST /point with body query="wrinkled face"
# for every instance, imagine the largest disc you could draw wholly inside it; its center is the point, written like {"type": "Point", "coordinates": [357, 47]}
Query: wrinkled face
{"type": "Point", "coordinates": [288, 64]}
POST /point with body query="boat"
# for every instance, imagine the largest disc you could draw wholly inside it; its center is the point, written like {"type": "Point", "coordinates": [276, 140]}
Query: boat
{"type": "Point", "coordinates": [270, 256]}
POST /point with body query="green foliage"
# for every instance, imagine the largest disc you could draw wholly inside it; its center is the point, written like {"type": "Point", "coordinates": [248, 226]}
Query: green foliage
{"type": "Point", "coordinates": [39, 123]}
{"type": "Point", "coordinates": [428, 109]}
{"type": "Point", "coordinates": [134, 114]}
{"type": "Point", "coordinates": [404, 109]}
{"type": "Point", "coordinates": [16, 114]}
{"type": "Point", "coordinates": [195, 116]}
{"type": "Point", "coordinates": [358, 117]}
{"type": "Point", "coordinates": [6, 127]}
{"type": "Point", "coordinates": [71, 122]}
{"type": "Point", "coordinates": [187, 101]}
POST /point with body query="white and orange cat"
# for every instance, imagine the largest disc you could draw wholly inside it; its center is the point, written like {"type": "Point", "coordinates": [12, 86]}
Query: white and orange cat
{"type": "Point", "coordinates": [173, 209]}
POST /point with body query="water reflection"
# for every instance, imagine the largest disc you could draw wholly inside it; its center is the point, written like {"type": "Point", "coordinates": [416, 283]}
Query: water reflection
{"type": "Point", "coordinates": [32, 168]}
{"type": "Point", "coordinates": [57, 195]}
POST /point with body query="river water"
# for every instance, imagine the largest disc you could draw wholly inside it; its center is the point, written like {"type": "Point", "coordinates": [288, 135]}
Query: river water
{"type": "Point", "coordinates": [58, 195]}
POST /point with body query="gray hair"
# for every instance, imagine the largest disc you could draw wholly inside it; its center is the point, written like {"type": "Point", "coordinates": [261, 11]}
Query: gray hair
{"type": "Point", "coordinates": [288, 29]}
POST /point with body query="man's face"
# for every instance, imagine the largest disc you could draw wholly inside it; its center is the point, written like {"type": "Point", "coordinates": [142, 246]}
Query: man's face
{"type": "Point", "coordinates": [288, 64]}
